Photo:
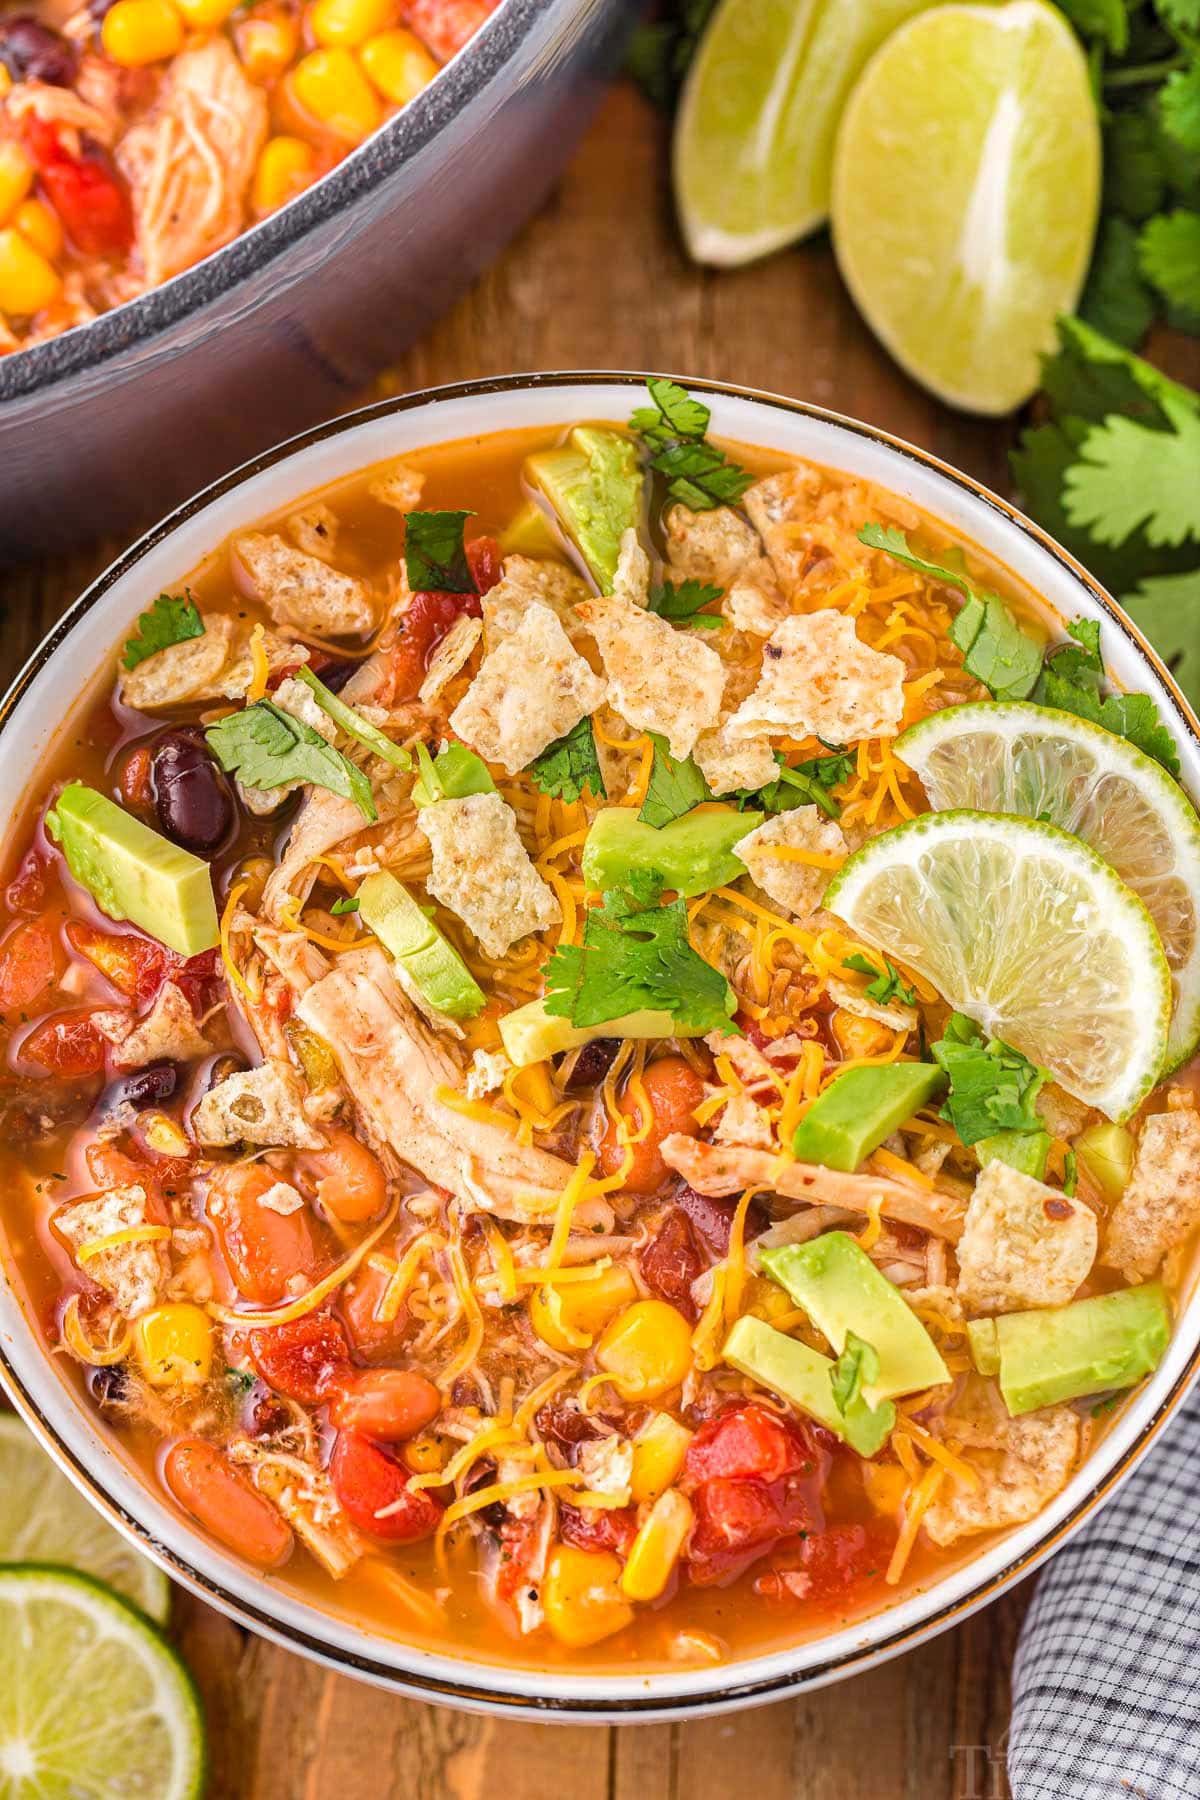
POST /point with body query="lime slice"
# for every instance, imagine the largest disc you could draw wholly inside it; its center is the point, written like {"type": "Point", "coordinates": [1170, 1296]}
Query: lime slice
{"type": "Point", "coordinates": [1023, 927]}
{"type": "Point", "coordinates": [44, 1519]}
{"type": "Point", "coordinates": [758, 114]}
{"type": "Point", "coordinates": [966, 181]}
{"type": "Point", "coordinates": [94, 1703]}
{"type": "Point", "coordinates": [1013, 757]}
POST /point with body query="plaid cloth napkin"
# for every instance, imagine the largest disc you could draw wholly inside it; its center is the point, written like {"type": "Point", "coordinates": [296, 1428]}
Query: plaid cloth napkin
{"type": "Point", "coordinates": [1107, 1678]}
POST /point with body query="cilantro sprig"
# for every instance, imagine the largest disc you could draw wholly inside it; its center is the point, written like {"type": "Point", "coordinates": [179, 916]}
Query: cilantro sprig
{"type": "Point", "coordinates": [636, 956]}
{"type": "Point", "coordinates": [992, 1086]}
{"type": "Point", "coordinates": [675, 786]}
{"type": "Point", "coordinates": [173, 619]}
{"type": "Point", "coordinates": [887, 984]}
{"type": "Point", "coordinates": [1071, 681]}
{"type": "Point", "coordinates": [674, 430]}
{"type": "Point", "coordinates": [569, 765]}
{"type": "Point", "coordinates": [810, 783]}
{"type": "Point", "coordinates": [266, 747]}
{"type": "Point", "coordinates": [857, 1367]}
{"type": "Point", "coordinates": [683, 604]}
{"type": "Point", "coordinates": [435, 553]}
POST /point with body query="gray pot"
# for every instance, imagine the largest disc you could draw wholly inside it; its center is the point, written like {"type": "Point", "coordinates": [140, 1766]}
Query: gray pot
{"type": "Point", "coordinates": [117, 420]}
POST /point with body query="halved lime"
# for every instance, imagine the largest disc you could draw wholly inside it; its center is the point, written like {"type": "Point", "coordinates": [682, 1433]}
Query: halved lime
{"type": "Point", "coordinates": [754, 135]}
{"type": "Point", "coordinates": [1023, 927]}
{"type": "Point", "coordinates": [966, 183]}
{"type": "Point", "coordinates": [1013, 757]}
{"type": "Point", "coordinates": [44, 1519]}
{"type": "Point", "coordinates": [94, 1703]}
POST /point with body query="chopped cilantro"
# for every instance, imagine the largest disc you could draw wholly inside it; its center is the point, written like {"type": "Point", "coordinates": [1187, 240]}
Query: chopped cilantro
{"type": "Point", "coordinates": [682, 605]}
{"type": "Point", "coordinates": [674, 431]}
{"type": "Point", "coordinates": [992, 1086]}
{"type": "Point", "coordinates": [810, 783]}
{"type": "Point", "coordinates": [239, 1382]}
{"type": "Point", "coordinates": [1129, 478]}
{"type": "Point", "coordinates": [888, 983]}
{"type": "Point", "coordinates": [171, 620]}
{"type": "Point", "coordinates": [353, 723]}
{"type": "Point", "coordinates": [1071, 681]}
{"type": "Point", "coordinates": [435, 554]}
{"type": "Point", "coordinates": [347, 904]}
{"type": "Point", "coordinates": [995, 649]}
{"type": "Point", "coordinates": [636, 956]}
{"type": "Point", "coordinates": [1070, 1174]}
{"type": "Point", "coordinates": [674, 787]}
{"type": "Point", "coordinates": [569, 765]}
{"type": "Point", "coordinates": [855, 1368]}
{"type": "Point", "coordinates": [266, 747]}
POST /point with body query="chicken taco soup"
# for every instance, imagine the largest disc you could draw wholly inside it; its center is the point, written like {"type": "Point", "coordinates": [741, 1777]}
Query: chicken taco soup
{"type": "Point", "coordinates": [597, 1034]}
{"type": "Point", "coordinates": [137, 136]}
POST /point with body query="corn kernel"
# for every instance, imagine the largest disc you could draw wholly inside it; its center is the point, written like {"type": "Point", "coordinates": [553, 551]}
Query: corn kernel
{"type": "Point", "coordinates": [39, 224]}
{"type": "Point", "coordinates": [886, 1487]}
{"type": "Point", "coordinates": [173, 1345]}
{"type": "Point", "coordinates": [27, 281]}
{"type": "Point", "coordinates": [657, 1547]}
{"type": "Point", "coordinates": [206, 15]}
{"type": "Point", "coordinates": [267, 46]}
{"type": "Point", "coordinates": [658, 1452]}
{"type": "Point", "coordinates": [424, 1455]}
{"type": "Point", "coordinates": [647, 1348]}
{"type": "Point", "coordinates": [581, 1595]}
{"type": "Point", "coordinates": [332, 89]}
{"type": "Point", "coordinates": [859, 1037]}
{"type": "Point", "coordinates": [535, 1085]}
{"type": "Point", "coordinates": [16, 177]}
{"type": "Point", "coordinates": [6, 81]}
{"type": "Point", "coordinates": [399, 65]}
{"type": "Point", "coordinates": [568, 1317]}
{"type": "Point", "coordinates": [136, 32]}
{"type": "Point", "coordinates": [161, 1133]}
{"type": "Point", "coordinates": [285, 168]}
{"type": "Point", "coordinates": [349, 22]}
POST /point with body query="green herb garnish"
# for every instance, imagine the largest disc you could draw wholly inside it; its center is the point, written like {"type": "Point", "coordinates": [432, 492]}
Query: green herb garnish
{"type": "Point", "coordinates": [172, 619]}
{"type": "Point", "coordinates": [1071, 681]}
{"type": "Point", "coordinates": [435, 554]}
{"type": "Point", "coordinates": [857, 1367]}
{"type": "Point", "coordinates": [674, 431]}
{"type": "Point", "coordinates": [992, 1086]}
{"type": "Point", "coordinates": [888, 983]}
{"type": "Point", "coordinates": [347, 904]}
{"type": "Point", "coordinates": [810, 783]}
{"type": "Point", "coordinates": [352, 722]}
{"type": "Point", "coordinates": [266, 747]}
{"type": "Point", "coordinates": [674, 788]}
{"type": "Point", "coordinates": [683, 604]}
{"type": "Point", "coordinates": [569, 765]}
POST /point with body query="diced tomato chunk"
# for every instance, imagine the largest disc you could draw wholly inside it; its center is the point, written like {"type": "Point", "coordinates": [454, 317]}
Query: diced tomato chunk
{"type": "Point", "coordinates": [483, 554]}
{"type": "Point", "coordinates": [446, 25]}
{"type": "Point", "coordinates": [713, 1217]}
{"type": "Point", "coordinates": [755, 1480]}
{"type": "Point", "coordinates": [369, 1482]}
{"type": "Point", "coordinates": [750, 1440]}
{"type": "Point", "coordinates": [200, 978]}
{"type": "Point", "coordinates": [302, 1358]}
{"type": "Point", "coordinates": [29, 963]}
{"type": "Point", "coordinates": [610, 1528]}
{"type": "Point", "coordinates": [137, 786]}
{"type": "Point", "coordinates": [67, 1044]}
{"type": "Point", "coordinates": [264, 1249]}
{"type": "Point", "coordinates": [134, 964]}
{"type": "Point", "coordinates": [84, 191]}
{"type": "Point", "coordinates": [672, 1260]}
{"type": "Point", "coordinates": [26, 892]}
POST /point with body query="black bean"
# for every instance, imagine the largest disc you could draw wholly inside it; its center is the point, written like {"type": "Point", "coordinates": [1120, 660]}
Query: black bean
{"type": "Point", "coordinates": [155, 1083]}
{"type": "Point", "coordinates": [193, 800]}
{"type": "Point", "coordinates": [108, 1385]}
{"type": "Point", "coordinates": [593, 1062]}
{"type": "Point", "coordinates": [337, 674]}
{"type": "Point", "coordinates": [31, 51]}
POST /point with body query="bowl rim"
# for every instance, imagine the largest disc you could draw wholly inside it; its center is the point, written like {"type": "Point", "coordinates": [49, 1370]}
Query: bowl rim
{"type": "Point", "coordinates": [587, 1700]}
{"type": "Point", "coordinates": [88, 346]}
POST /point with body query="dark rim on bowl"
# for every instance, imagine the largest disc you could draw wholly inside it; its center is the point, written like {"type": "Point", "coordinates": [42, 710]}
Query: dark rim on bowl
{"type": "Point", "coordinates": [412, 1682]}
{"type": "Point", "coordinates": [400, 138]}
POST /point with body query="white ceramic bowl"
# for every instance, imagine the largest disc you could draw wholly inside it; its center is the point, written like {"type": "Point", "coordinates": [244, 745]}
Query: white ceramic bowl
{"type": "Point", "coordinates": [29, 718]}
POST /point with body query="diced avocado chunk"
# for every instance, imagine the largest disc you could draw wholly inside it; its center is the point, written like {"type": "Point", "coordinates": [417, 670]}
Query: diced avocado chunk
{"type": "Point", "coordinates": [530, 1033]}
{"type": "Point", "coordinates": [862, 1108]}
{"type": "Point", "coordinates": [841, 1290]}
{"type": "Point", "coordinates": [427, 958]}
{"type": "Point", "coordinates": [450, 775]}
{"type": "Point", "coordinates": [135, 873]}
{"type": "Point", "coordinates": [594, 484]}
{"type": "Point", "coordinates": [1105, 1153]}
{"type": "Point", "coordinates": [804, 1378]}
{"type": "Point", "coordinates": [529, 533]}
{"type": "Point", "coordinates": [691, 854]}
{"type": "Point", "coordinates": [1062, 1353]}
{"type": "Point", "coordinates": [1023, 1150]}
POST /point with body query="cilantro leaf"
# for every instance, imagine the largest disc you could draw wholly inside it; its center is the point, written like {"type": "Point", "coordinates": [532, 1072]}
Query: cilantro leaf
{"type": "Point", "coordinates": [995, 649]}
{"type": "Point", "coordinates": [1182, 13]}
{"type": "Point", "coordinates": [1116, 300]}
{"type": "Point", "coordinates": [347, 904]}
{"type": "Point", "coordinates": [435, 554]}
{"type": "Point", "coordinates": [353, 723]}
{"type": "Point", "coordinates": [1169, 248]}
{"type": "Point", "coordinates": [808, 784]}
{"type": "Point", "coordinates": [674, 788]}
{"type": "Point", "coordinates": [992, 1086]}
{"type": "Point", "coordinates": [1071, 681]}
{"type": "Point", "coordinates": [888, 984]}
{"type": "Point", "coordinates": [682, 605]}
{"type": "Point", "coordinates": [636, 956]}
{"type": "Point", "coordinates": [266, 747]}
{"type": "Point", "coordinates": [857, 1367]}
{"type": "Point", "coordinates": [673, 430]}
{"type": "Point", "coordinates": [569, 765]}
{"type": "Point", "coordinates": [1104, 19]}
{"type": "Point", "coordinates": [1167, 608]}
{"type": "Point", "coordinates": [1128, 477]}
{"type": "Point", "coordinates": [1179, 104]}
{"type": "Point", "coordinates": [1134, 179]}
{"type": "Point", "coordinates": [171, 620]}
{"type": "Point", "coordinates": [659, 54]}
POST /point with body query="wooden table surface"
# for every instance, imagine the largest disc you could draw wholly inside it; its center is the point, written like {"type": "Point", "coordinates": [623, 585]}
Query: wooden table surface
{"type": "Point", "coordinates": [598, 280]}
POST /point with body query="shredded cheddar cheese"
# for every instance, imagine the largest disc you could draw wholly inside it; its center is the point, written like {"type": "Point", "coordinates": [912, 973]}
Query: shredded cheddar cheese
{"type": "Point", "coordinates": [296, 1309]}
{"type": "Point", "coordinates": [113, 1240]}
{"type": "Point", "coordinates": [259, 664]}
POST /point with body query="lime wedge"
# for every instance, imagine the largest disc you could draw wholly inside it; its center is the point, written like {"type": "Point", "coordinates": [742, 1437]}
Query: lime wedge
{"type": "Point", "coordinates": [94, 1703]}
{"type": "Point", "coordinates": [1023, 927]}
{"type": "Point", "coordinates": [758, 114]}
{"type": "Point", "coordinates": [966, 181]}
{"type": "Point", "coordinates": [44, 1519]}
{"type": "Point", "coordinates": [1013, 757]}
